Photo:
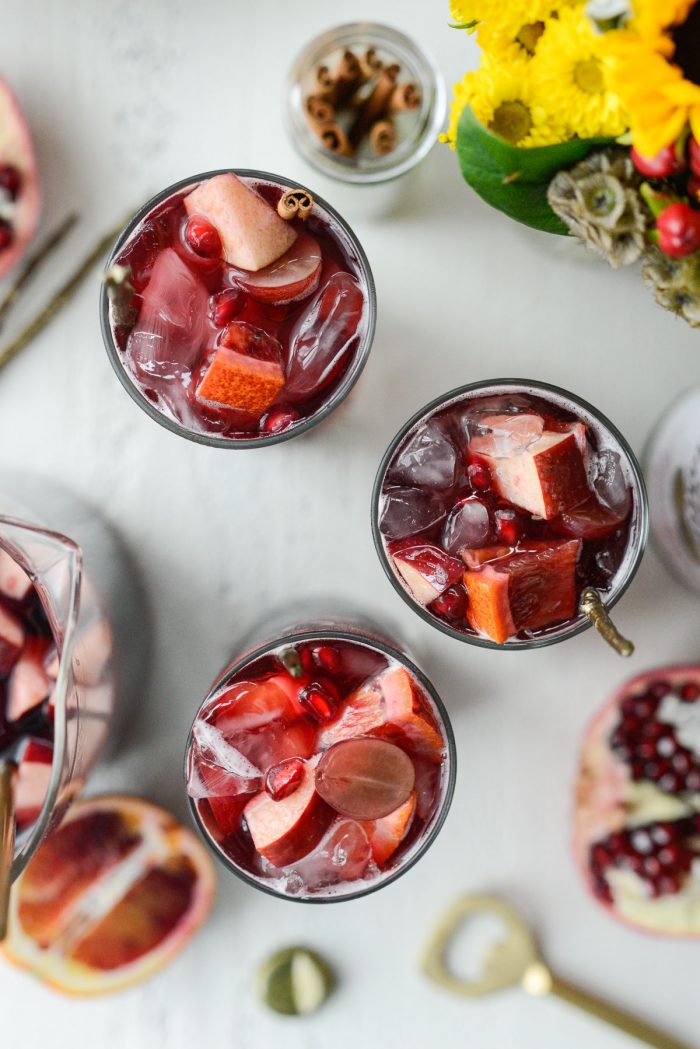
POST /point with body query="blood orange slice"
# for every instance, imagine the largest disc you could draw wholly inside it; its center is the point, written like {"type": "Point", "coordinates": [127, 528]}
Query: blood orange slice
{"type": "Point", "coordinates": [112, 894]}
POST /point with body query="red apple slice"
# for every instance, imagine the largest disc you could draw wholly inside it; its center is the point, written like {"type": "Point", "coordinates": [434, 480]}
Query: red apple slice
{"type": "Point", "coordinates": [290, 278]}
{"type": "Point", "coordinates": [19, 182]}
{"type": "Point", "coordinates": [262, 722]}
{"type": "Point", "coordinates": [11, 639]}
{"type": "Point", "coordinates": [386, 834]}
{"type": "Point", "coordinates": [29, 684]}
{"type": "Point", "coordinates": [252, 233]}
{"type": "Point", "coordinates": [426, 569]}
{"type": "Point", "coordinates": [32, 782]}
{"type": "Point", "coordinates": [284, 831]}
{"type": "Point", "coordinates": [14, 581]}
{"type": "Point", "coordinates": [365, 778]}
{"type": "Point", "coordinates": [545, 478]}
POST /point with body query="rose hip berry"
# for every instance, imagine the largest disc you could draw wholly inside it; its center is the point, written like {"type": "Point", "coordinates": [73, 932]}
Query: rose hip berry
{"type": "Point", "coordinates": [479, 477]}
{"type": "Point", "coordinates": [678, 226]}
{"type": "Point", "coordinates": [317, 702]}
{"type": "Point", "coordinates": [10, 180]}
{"type": "Point", "coordinates": [203, 238]}
{"type": "Point", "coordinates": [665, 164]}
{"type": "Point", "coordinates": [284, 778]}
{"type": "Point", "coordinates": [280, 419]}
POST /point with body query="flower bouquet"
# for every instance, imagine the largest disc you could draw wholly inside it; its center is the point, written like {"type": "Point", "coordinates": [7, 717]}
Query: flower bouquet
{"type": "Point", "coordinates": [584, 119]}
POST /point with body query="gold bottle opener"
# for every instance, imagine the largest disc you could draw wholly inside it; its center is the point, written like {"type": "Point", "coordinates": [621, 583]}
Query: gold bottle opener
{"type": "Point", "coordinates": [516, 961]}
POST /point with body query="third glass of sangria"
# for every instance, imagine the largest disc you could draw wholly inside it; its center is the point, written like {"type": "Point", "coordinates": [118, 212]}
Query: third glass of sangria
{"type": "Point", "coordinates": [321, 765]}
{"type": "Point", "coordinates": [501, 506]}
{"type": "Point", "coordinates": [238, 310]}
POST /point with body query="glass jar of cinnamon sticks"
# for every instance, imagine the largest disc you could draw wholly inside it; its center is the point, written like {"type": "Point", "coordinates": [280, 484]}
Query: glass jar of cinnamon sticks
{"type": "Point", "coordinates": [365, 103]}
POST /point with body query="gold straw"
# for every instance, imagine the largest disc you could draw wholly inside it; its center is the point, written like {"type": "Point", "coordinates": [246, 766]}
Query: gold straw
{"type": "Point", "coordinates": [7, 840]}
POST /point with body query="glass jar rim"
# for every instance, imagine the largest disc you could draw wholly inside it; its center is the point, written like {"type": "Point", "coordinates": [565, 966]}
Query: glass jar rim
{"type": "Point", "coordinates": [296, 637]}
{"type": "Point", "coordinates": [432, 116]}
{"type": "Point", "coordinates": [211, 440]}
{"type": "Point", "coordinates": [581, 623]}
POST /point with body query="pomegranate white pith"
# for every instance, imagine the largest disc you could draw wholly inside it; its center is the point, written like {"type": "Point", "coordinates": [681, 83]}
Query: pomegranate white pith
{"type": "Point", "coordinates": [637, 818]}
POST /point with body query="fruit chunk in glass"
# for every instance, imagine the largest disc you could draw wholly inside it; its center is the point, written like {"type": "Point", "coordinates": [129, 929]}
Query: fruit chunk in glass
{"type": "Point", "coordinates": [320, 770]}
{"type": "Point", "coordinates": [242, 324]}
{"type": "Point", "coordinates": [498, 508]}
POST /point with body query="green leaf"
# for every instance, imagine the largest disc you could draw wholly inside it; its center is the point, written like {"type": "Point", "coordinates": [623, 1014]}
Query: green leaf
{"type": "Point", "coordinates": [512, 179]}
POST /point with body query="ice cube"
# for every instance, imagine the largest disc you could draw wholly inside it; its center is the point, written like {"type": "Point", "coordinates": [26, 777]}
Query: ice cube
{"type": "Point", "coordinates": [468, 526]}
{"type": "Point", "coordinates": [170, 329]}
{"type": "Point", "coordinates": [217, 769]}
{"type": "Point", "coordinates": [323, 336]}
{"type": "Point", "coordinates": [428, 459]}
{"type": "Point", "coordinates": [343, 854]}
{"type": "Point", "coordinates": [407, 511]}
{"type": "Point", "coordinates": [609, 482]}
{"type": "Point", "coordinates": [509, 435]}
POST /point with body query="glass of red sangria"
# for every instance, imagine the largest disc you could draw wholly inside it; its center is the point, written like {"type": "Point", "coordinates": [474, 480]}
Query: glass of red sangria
{"type": "Point", "coordinates": [321, 765]}
{"type": "Point", "coordinates": [510, 514]}
{"type": "Point", "coordinates": [63, 610]}
{"type": "Point", "coordinates": [238, 310]}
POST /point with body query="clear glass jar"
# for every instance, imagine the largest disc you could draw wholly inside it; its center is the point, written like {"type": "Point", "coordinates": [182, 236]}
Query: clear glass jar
{"type": "Point", "coordinates": [417, 130]}
{"type": "Point", "coordinates": [351, 247]}
{"type": "Point", "coordinates": [672, 467]}
{"type": "Point", "coordinates": [300, 627]}
{"type": "Point", "coordinates": [601, 427]}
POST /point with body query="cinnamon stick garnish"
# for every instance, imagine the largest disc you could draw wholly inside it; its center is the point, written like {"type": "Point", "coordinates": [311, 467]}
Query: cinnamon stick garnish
{"type": "Point", "coordinates": [375, 105]}
{"type": "Point", "coordinates": [404, 97]}
{"type": "Point", "coordinates": [382, 137]}
{"type": "Point", "coordinates": [295, 203]}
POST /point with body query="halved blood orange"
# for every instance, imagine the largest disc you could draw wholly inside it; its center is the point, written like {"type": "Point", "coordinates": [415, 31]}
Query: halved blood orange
{"type": "Point", "coordinates": [111, 895]}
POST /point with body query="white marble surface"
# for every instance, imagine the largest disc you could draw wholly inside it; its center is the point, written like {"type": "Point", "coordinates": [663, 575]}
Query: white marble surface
{"type": "Point", "coordinates": [125, 98]}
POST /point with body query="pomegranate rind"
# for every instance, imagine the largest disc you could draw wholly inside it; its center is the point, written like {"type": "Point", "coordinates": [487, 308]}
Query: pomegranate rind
{"type": "Point", "coordinates": [16, 148]}
{"type": "Point", "coordinates": [603, 798]}
{"type": "Point", "coordinates": [163, 841]}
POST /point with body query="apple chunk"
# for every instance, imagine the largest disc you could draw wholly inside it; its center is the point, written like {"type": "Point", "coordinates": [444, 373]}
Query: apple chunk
{"type": "Point", "coordinates": [11, 640]}
{"type": "Point", "coordinates": [284, 831]}
{"type": "Point", "coordinates": [426, 569]}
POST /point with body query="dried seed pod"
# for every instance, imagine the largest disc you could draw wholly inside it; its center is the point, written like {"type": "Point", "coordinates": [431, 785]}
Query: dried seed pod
{"type": "Point", "coordinates": [295, 203]}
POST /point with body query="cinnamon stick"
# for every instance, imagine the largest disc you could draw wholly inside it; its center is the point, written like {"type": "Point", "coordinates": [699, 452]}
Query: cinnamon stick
{"type": "Point", "coordinates": [370, 63]}
{"type": "Point", "coordinates": [295, 203]}
{"type": "Point", "coordinates": [382, 137]}
{"type": "Point", "coordinates": [375, 105]}
{"type": "Point", "coordinates": [325, 83]}
{"type": "Point", "coordinates": [319, 110]}
{"type": "Point", "coordinates": [404, 97]}
{"type": "Point", "coordinates": [348, 77]}
{"type": "Point", "coordinates": [334, 139]}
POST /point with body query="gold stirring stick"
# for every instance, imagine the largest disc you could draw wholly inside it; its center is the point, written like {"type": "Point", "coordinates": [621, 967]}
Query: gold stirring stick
{"type": "Point", "coordinates": [591, 605]}
{"type": "Point", "coordinates": [7, 840]}
{"type": "Point", "coordinates": [515, 961]}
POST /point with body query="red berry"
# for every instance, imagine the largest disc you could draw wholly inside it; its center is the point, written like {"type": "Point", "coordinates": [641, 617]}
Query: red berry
{"type": "Point", "coordinates": [280, 419]}
{"type": "Point", "coordinates": [317, 701]}
{"type": "Point", "coordinates": [327, 658]}
{"type": "Point", "coordinates": [666, 163]}
{"type": "Point", "coordinates": [6, 234]}
{"type": "Point", "coordinates": [203, 238]}
{"type": "Point", "coordinates": [452, 604]}
{"type": "Point", "coordinates": [689, 692]}
{"type": "Point", "coordinates": [509, 526]}
{"type": "Point", "coordinates": [225, 305]}
{"type": "Point", "coordinates": [694, 155]}
{"type": "Point", "coordinates": [479, 477]}
{"type": "Point", "coordinates": [10, 180]}
{"type": "Point", "coordinates": [283, 779]}
{"type": "Point", "coordinates": [679, 230]}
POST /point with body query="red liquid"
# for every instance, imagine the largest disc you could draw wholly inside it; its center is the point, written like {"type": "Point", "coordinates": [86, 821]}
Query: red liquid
{"type": "Point", "coordinates": [273, 728]}
{"type": "Point", "coordinates": [213, 296]}
{"type": "Point", "coordinates": [506, 568]}
{"type": "Point", "coordinates": [27, 678]}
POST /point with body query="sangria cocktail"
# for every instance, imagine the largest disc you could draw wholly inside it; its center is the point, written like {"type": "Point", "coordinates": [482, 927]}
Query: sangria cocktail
{"type": "Point", "coordinates": [240, 310]}
{"type": "Point", "coordinates": [322, 764]}
{"type": "Point", "coordinates": [498, 504]}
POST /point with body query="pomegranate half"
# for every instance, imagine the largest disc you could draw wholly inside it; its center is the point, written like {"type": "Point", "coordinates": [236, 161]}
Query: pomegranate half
{"type": "Point", "coordinates": [20, 198]}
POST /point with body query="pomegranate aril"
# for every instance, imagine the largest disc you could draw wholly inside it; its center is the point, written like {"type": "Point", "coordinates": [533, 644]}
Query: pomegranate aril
{"type": "Point", "coordinates": [10, 180]}
{"type": "Point", "coordinates": [509, 526]}
{"type": "Point", "coordinates": [203, 238]}
{"type": "Point", "coordinates": [659, 689]}
{"type": "Point", "coordinates": [280, 419]}
{"type": "Point", "coordinates": [689, 692]}
{"type": "Point", "coordinates": [225, 305]}
{"type": "Point", "coordinates": [452, 604]}
{"type": "Point", "coordinates": [283, 779]}
{"type": "Point", "coordinates": [317, 702]}
{"type": "Point", "coordinates": [327, 658]}
{"type": "Point", "coordinates": [6, 234]}
{"type": "Point", "coordinates": [479, 477]}
{"type": "Point", "coordinates": [307, 659]}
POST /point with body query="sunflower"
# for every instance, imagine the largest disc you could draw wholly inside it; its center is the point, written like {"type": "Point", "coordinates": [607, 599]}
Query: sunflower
{"type": "Point", "coordinates": [656, 70]}
{"type": "Point", "coordinates": [508, 101]}
{"type": "Point", "coordinates": [507, 16]}
{"type": "Point", "coordinates": [576, 77]}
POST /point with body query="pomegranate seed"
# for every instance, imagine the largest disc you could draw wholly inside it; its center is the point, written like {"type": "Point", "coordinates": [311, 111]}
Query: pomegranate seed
{"type": "Point", "coordinates": [203, 238]}
{"type": "Point", "coordinates": [689, 692]}
{"type": "Point", "coordinates": [479, 477]}
{"type": "Point", "coordinates": [654, 730]}
{"type": "Point", "coordinates": [641, 841]}
{"type": "Point", "coordinates": [509, 526]}
{"type": "Point", "coordinates": [307, 659]}
{"type": "Point", "coordinates": [225, 305]}
{"type": "Point", "coordinates": [452, 604]}
{"type": "Point", "coordinates": [6, 234]}
{"type": "Point", "coordinates": [662, 833]}
{"type": "Point", "coordinates": [667, 885]}
{"type": "Point", "coordinates": [283, 779]}
{"type": "Point", "coordinates": [692, 782]}
{"type": "Point", "coordinates": [10, 180]}
{"type": "Point", "coordinates": [659, 689]}
{"type": "Point", "coordinates": [670, 855]}
{"type": "Point", "coordinates": [280, 419]}
{"type": "Point", "coordinates": [327, 658]}
{"type": "Point", "coordinates": [317, 702]}
{"type": "Point", "coordinates": [671, 783]}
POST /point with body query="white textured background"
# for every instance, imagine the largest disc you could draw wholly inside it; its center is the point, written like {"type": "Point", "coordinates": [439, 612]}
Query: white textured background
{"type": "Point", "coordinates": [124, 98]}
